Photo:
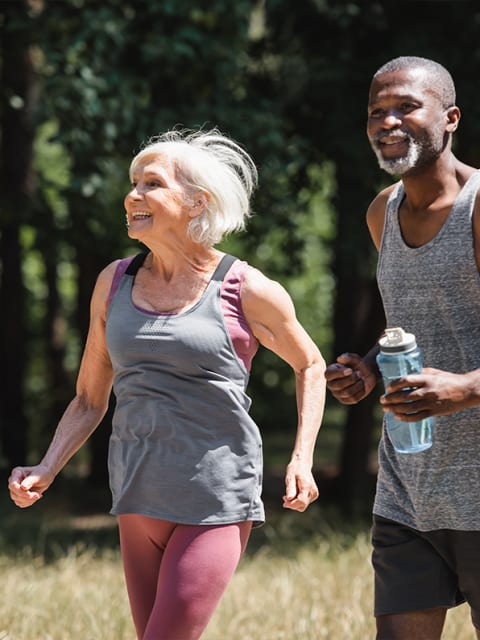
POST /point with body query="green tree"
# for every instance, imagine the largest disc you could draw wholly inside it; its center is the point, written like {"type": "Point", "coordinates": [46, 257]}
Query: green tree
{"type": "Point", "coordinates": [325, 54]}
{"type": "Point", "coordinates": [88, 82]}
{"type": "Point", "coordinates": [109, 76]}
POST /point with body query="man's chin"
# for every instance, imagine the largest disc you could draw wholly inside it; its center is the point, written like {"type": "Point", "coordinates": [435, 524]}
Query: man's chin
{"type": "Point", "coordinates": [396, 167]}
{"type": "Point", "coordinates": [399, 166]}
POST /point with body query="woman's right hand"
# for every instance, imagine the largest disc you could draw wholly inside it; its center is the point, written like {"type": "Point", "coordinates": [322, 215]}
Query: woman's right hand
{"type": "Point", "coordinates": [351, 378]}
{"type": "Point", "coordinates": [27, 484]}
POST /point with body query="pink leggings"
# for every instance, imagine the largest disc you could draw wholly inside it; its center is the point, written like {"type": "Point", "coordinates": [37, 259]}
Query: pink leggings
{"type": "Point", "coordinates": [176, 574]}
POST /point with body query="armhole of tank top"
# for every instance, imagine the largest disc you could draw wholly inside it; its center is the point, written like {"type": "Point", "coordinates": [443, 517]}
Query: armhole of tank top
{"type": "Point", "coordinates": [238, 270]}
{"type": "Point", "coordinates": [245, 267]}
{"type": "Point", "coordinates": [474, 187]}
{"type": "Point", "coordinates": [389, 220]}
{"type": "Point", "coordinates": [122, 266]}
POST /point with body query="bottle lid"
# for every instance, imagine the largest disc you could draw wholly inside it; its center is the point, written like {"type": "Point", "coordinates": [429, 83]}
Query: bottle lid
{"type": "Point", "coordinates": [396, 340]}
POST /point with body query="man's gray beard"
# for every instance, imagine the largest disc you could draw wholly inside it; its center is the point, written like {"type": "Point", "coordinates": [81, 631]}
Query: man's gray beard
{"type": "Point", "coordinates": [399, 166]}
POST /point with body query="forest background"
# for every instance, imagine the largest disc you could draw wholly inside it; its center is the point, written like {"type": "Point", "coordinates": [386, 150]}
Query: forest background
{"type": "Point", "coordinates": [84, 83]}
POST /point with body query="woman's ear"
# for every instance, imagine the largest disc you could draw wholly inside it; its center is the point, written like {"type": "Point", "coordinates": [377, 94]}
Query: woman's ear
{"type": "Point", "coordinates": [200, 202]}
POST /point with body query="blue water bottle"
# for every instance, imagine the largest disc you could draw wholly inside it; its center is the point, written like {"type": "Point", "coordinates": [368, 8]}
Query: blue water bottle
{"type": "Point", "coordinates": [399, 356]}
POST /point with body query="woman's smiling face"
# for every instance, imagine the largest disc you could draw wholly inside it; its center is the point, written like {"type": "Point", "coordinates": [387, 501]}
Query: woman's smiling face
{"type": "Point", "coordinates": [157, 200]}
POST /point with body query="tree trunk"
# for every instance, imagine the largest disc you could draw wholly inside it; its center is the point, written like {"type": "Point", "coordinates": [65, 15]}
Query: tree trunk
{"type": "Point", "coordinates": [358, 320]}
{"type": "Point", "coordinates": [16, 142]}
{"type": "Point", "coordinates": [356, 478]}
{"type": "Point", "coordinates": [90, 263]}
{"type": "Point", "coordinates": [59, 384]}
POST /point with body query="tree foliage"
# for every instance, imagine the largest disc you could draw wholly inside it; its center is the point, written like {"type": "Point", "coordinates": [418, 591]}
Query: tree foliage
{"type": "Point", "coordinates": [86, 83]}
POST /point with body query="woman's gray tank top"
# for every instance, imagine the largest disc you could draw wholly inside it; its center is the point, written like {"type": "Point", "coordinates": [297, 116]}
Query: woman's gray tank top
{"type": "Point", "coordinates": [183, 446]}
{"type": "Point", "coordinates": [433, 291]}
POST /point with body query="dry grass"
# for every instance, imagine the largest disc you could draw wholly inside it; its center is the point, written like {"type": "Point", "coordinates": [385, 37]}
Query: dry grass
{"type": "Point", "coordinates": [323, 591]}
{"type": "Point", "coordinates": [301, 580]}
{"type": "Point", "coordinates": [78, 596]}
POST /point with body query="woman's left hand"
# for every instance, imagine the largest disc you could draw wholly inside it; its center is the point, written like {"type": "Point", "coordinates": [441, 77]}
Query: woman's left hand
{"type": "Point", "coordinates": [301, 488]}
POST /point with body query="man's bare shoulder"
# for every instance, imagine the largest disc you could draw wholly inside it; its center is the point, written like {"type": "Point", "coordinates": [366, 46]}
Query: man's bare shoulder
{"type": "Point", "coordinates": [463, 171]}
{"type": "Point", "coordinates": [380, 201]}
{"type": "Point", "coordinates": [376, 214]}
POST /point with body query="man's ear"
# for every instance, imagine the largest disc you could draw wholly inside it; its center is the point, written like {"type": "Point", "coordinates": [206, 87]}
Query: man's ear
{"type": "Point", "coordinates": [453, 118]}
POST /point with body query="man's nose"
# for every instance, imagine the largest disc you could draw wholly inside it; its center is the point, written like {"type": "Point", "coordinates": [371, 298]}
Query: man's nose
{"type": "Point", "coordinates": [392, 120]}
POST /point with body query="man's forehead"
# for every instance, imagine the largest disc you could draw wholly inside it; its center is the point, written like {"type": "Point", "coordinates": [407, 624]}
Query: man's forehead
{"type": "Point", "coordinates": [404, 82]}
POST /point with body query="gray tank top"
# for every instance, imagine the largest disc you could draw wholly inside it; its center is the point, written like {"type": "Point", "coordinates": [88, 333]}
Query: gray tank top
{"type": "Point", "coordinates": [183, 446]}
{"type": "Point", "coordinates": [433, 291]}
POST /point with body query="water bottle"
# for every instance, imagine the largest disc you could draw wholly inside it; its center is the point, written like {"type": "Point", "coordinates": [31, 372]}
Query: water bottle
{"type": "Point", "coordinates": [399, 356]}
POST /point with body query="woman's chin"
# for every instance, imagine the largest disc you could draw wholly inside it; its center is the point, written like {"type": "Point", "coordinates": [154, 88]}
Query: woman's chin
{"type": "Point", "coordinates": [134, 234]}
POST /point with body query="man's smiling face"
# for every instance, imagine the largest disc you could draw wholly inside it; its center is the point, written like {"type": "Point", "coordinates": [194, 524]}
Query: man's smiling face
{"type": "Point", "coordinates": [406, 123]}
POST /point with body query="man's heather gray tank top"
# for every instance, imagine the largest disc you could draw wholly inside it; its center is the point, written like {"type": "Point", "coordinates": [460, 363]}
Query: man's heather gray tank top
{"type": "Point", "coordinates": [433, 291]}
{"type": "Point", "coordinates": [183, 446]}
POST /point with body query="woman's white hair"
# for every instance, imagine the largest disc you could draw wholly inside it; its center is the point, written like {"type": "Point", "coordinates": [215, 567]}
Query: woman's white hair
{"type": "Point", "coordinates": [209, 162]}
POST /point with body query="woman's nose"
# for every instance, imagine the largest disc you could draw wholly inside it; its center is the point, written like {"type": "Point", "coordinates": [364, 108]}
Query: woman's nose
{"type": "Point", "coordinates": [135, 193]}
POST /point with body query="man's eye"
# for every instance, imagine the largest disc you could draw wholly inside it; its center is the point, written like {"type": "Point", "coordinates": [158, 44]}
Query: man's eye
{"type": "Point", "coordinates": [376, 113]}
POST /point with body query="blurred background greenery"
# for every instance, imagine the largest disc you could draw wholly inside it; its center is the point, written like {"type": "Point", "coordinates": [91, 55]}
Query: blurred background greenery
{"type": "Point", "coordinates": [84, 83]}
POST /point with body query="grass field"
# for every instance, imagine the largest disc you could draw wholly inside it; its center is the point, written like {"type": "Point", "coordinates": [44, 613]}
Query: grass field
{"type": "Point", "coordinates": [304, 577]}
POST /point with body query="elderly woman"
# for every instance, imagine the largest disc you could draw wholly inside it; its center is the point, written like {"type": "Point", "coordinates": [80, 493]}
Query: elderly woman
{"type": "Point", "coordinates": [175, 330]}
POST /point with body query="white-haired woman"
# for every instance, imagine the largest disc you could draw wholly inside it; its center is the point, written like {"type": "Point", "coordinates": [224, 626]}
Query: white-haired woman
{"type": "Point", "coordinates": [175, 330]}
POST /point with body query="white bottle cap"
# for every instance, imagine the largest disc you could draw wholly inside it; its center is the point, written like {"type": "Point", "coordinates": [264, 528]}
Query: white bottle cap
{"type": "Point", "coordinates": [397, 340]}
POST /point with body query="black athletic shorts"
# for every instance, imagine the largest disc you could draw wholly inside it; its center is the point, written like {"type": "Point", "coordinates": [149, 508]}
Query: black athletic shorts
{"type": "Point", "coordinates": [417, 570]}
